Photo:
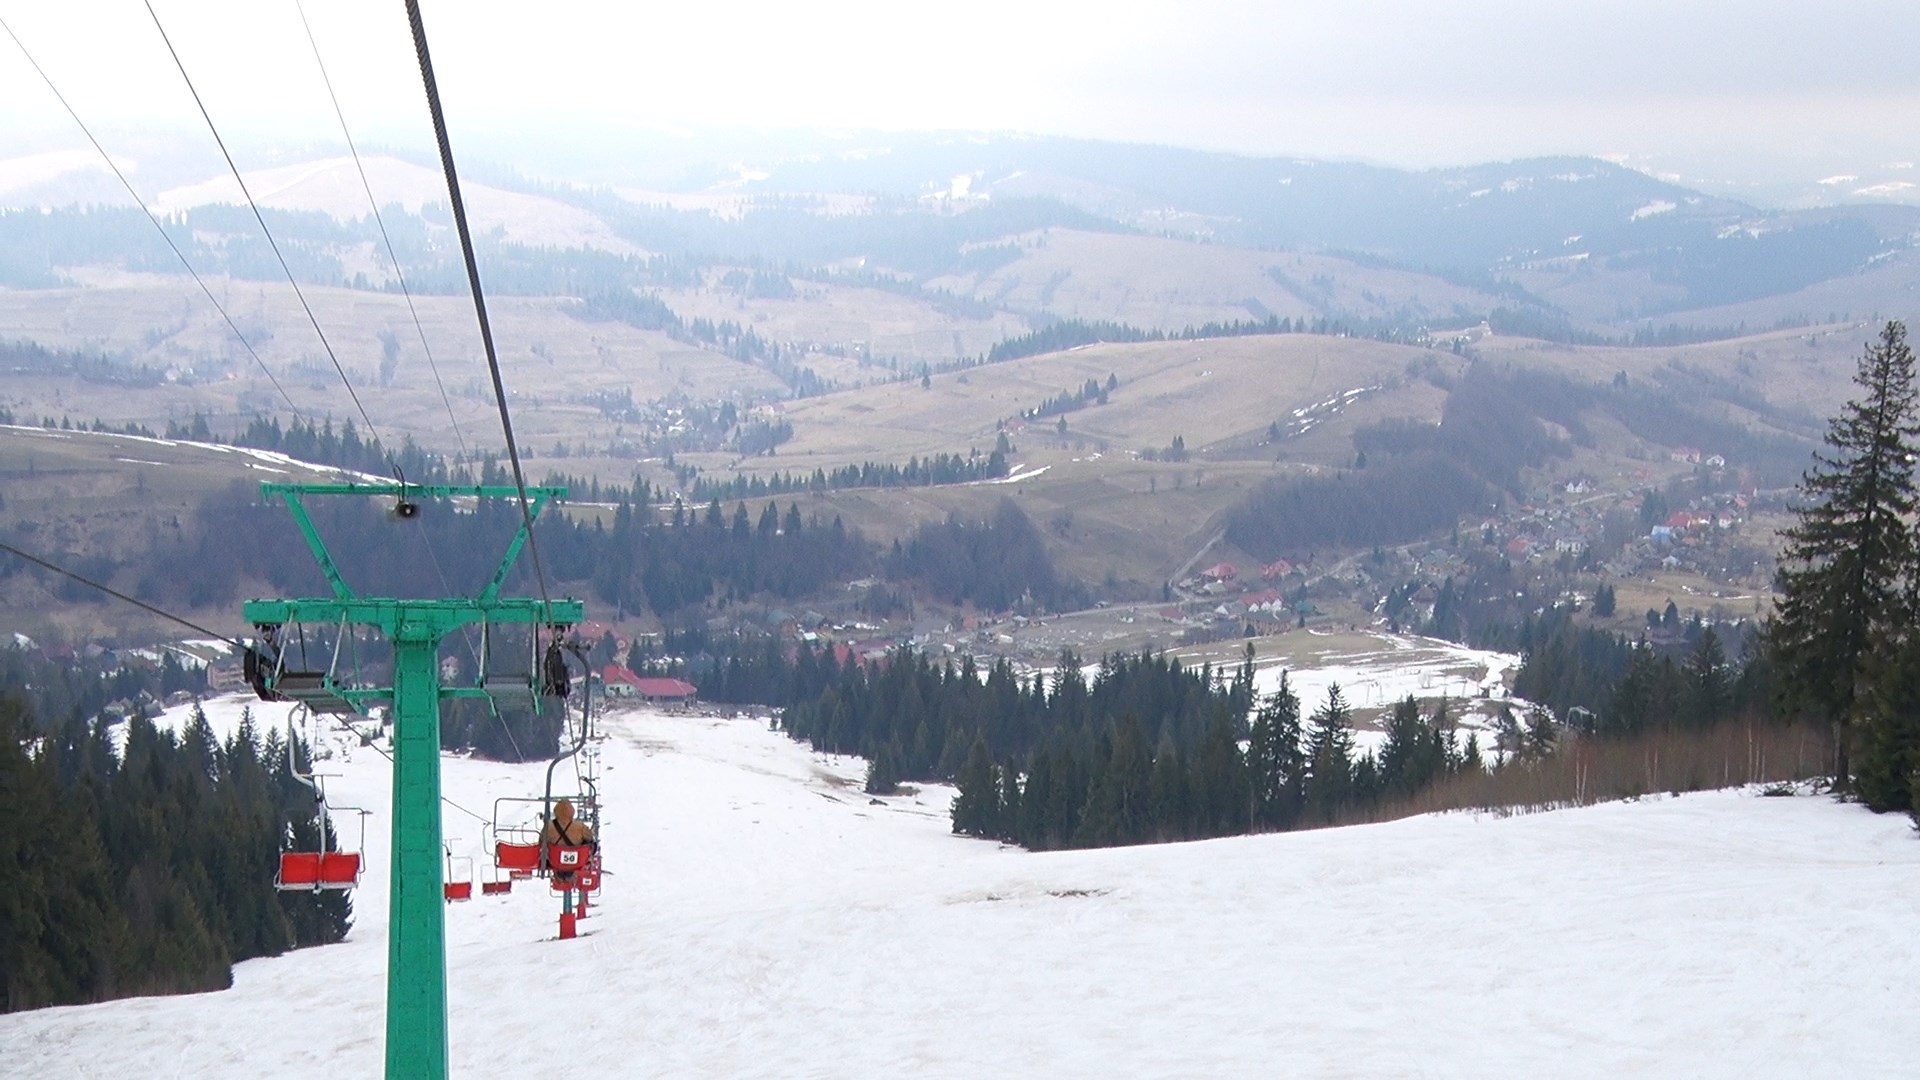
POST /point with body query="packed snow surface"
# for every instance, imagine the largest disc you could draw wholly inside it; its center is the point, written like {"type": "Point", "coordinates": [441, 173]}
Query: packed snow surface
{"type": "Point", "coordinates": [762, 918]}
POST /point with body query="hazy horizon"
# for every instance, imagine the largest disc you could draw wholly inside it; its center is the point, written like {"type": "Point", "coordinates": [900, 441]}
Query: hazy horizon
{"type": "Point", "coordinates": [1772, 101]}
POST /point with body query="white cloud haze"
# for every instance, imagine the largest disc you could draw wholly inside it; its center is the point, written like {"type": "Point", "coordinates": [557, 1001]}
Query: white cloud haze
{"type": "Point", "coordinates": [1397, 81]}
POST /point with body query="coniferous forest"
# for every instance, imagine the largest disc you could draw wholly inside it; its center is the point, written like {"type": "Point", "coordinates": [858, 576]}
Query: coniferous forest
{"type": "Point", "coordinates": [1145, 750]}
{"type": "Point", "coordinates": [137, 861]}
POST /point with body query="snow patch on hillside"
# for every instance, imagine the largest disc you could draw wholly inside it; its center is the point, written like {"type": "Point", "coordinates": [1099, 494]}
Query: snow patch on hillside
{"type": "Point", "coordinates": [35, 170]}
{"type": "Point", "coordinates": [1018, 474]}
{"type": "Point", "coordinates": [332, 186]}
{"type": "Point", "coordinates": [1889, 189]}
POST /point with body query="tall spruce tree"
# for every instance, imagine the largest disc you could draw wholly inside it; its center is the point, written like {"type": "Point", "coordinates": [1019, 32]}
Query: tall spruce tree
{"type": "Point", "coordinates": [1274, 763]}
{"type": "Point", "coordinates": [976, 806]}
{"type": "Point", "coordinates": [1330, 756]}
{"type": "Point", "coordinates": [1844, 579]}
{"type": "Point", "coordinates": [1709, 680]}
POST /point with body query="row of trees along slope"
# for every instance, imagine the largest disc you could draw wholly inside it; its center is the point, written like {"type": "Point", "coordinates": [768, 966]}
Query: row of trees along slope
{"type": "Point", "coordinates": [672, 561]}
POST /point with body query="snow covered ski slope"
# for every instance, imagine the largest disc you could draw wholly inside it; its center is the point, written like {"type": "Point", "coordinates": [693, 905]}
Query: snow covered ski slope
{"type": "Point", "coordinates": [762, 918]}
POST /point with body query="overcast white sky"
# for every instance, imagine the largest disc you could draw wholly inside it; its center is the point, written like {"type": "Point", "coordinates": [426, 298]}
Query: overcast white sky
{"type": "Point", "coordinates": [1408, 82]}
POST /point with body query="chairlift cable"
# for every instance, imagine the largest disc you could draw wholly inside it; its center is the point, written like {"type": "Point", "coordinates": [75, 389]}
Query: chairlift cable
{"type": "Point", "coordinates": [373, 205]}
{"type": "Point", "coordinates": [473, 280]}
{"type": "Point", "coordinates": [399, 275]}
{"type": "Point", "coordinates": [191, 625]}
{"type": "Point", "coordinates": [443, 798]}
{"type": "Point", "coordinates": [118, 595]}
{"type": "Point", "coordinates": [466, 632]}
{"type": "Point", "coordinates": [161, 229]}
{"type": "Point", "coordinates": [271, 242]}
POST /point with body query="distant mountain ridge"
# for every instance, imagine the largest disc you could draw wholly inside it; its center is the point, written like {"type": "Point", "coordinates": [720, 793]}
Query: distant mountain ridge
{"type": "Point", "coordinates": [1603, 249]}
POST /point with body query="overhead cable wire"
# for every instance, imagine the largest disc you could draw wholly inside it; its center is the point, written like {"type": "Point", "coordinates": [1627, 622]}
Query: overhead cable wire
{"type": "Point", "coordinates": [399, 275]}
{"type": "Point", "coordinates": [377, 749]}
{"type": "Point", "coordinates": [473, 280]}
{"type": "Point", "coordinates": [118, 595]}
{"type": "Point", "coordinates": [387, 240]}
{"type": "Point", "coordinates": [261, 219]}
{"type": "Point", "coordinates": [189, 624]}
{"type": "Point", "coordinates": [161, 229]}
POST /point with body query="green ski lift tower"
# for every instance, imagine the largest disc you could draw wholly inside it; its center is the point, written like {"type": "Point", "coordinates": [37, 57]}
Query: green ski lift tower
{"type": "Point", "coordinates": [416, 930]}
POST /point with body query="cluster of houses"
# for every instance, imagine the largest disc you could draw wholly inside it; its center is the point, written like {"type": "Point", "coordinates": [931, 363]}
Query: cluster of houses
{"type": "Point", "coordinates": [1563, 521]}
{"type": "Point", "coordinates": [1259, 601]}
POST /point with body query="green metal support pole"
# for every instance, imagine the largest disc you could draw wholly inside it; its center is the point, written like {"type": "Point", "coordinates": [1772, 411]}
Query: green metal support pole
{"type": "Point", "coordinates": [416, 931]}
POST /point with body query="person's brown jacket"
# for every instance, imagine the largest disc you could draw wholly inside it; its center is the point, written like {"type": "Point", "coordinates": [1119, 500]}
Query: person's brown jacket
{"type": "Point", "coordinates": [565, 828]}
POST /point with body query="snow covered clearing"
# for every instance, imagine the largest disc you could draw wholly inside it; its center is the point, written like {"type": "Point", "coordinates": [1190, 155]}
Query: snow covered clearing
{"type": "Point", "coordinates": [332, 186]}
{"type": "Point", "coordinates": [274, 461]}
{"type": "Point", "coordinates": [1890, 189]}
{"type": "Point", "coordinates": [20, 174]}
{"type": "Point", "coordinates": [1017, 474]}
{"type": "Point", "coordinates": [761, 917]}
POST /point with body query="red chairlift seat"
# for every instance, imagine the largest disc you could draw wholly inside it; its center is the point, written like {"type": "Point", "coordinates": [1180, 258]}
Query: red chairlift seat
{"type": "Point", "coordinates": [584, 879]}
{"type": "Point", "coordinates": [457, 885]}
{"type": "Point", "coordinates": [520, 860]}
{"type": "Point", "coordinates": [523, 860]}
{"type": "Point", "coordinates": [318, 870]}
{"type": "Point", "coordinates": [563, 859]}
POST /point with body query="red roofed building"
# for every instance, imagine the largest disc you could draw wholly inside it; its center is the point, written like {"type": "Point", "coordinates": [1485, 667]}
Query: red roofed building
{"type": "Point", "coordinates": [1220, 572]}
{"type": "Point", "coordinates": [620, 682]}
{"type": "Point", "coordinates": [672, 691]}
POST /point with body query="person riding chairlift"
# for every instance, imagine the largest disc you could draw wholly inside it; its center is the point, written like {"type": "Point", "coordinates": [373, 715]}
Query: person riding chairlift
{"type": "Point", "coordinates": [564, 830]}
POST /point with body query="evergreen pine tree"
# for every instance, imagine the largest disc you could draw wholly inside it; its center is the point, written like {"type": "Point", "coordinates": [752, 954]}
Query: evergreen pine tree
{"type": "Point", "coordinates": [882, 776]}
{"type": "Point", "coordinates": [1119, 799]}
{"type": "Point", "coordinates": [1470, 760]}
{"type": "Point", "coordinates": [1329, 757]}
{"type": "Point", "coordinates": [1274, 764]}
{"type": "Point", "coordinates": [1708, 680]}
{"type": "Point", "coordinates": [1007, 821]}
{"type": "Point", "coordinates": [1887, 776]}
{"type": "Point", "coordinates": [1849, 555]}
{"type": "Point", "coordinates": [1404, 746]}
{"type": "Point", "coordinates": [977, 803]}
{"type": "Point", "coordinates": [1631, 707]}
{"type": "Point", "coordinates": [1168, 793]}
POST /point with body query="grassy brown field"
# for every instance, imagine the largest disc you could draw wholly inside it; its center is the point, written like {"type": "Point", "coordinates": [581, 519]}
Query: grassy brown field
{"type": "Point", "coordinates": [551, 360]}
{"type": "Point", "coordinates": [1169, 284]}
{"type": "Point", "coordinates": [858, 321]}
{"type": "Point", "coordinates": [72, 496]}
{"type": "Point", "coordinates": [1208, 392]}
